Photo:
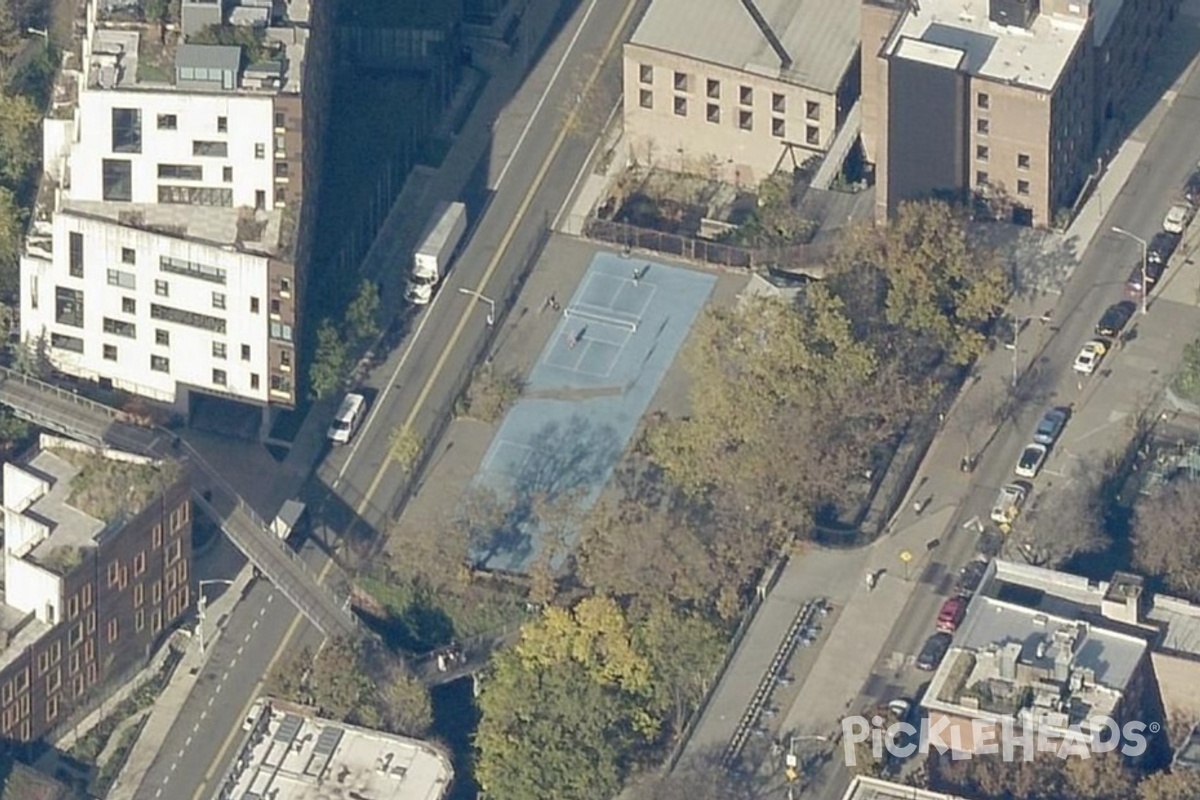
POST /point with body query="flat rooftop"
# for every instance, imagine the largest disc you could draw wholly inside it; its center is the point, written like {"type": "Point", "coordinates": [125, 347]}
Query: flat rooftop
{"type": "Point", "coordinates": [254, 231]}
{"type": "Point", "coordinates": [974, 667]}
{"type": "Point", "coordinates": [307, 758]}
{"type": "Point", "coordinates": [864, 788]}
{"type": "Point", "coordinates": [820, 36]}
{"type": "Point", "coordinates": [1179, 622]}
{"type": "Point", "coordinates": [1034, 58]}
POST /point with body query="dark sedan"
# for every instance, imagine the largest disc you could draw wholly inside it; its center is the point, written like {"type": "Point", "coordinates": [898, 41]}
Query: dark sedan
{"type": "Point", "coordinates": [1162, 247]}
{"type": "Point", "coordinates": [1154, 271]}
{"type": "Point", "coordinates": [1115, 318]}
{"type": "Point", "coordinates": [931, 655]}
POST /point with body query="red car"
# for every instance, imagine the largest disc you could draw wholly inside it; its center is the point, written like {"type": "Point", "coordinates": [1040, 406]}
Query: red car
{"type": "Point", "coordinates": [951, 615]}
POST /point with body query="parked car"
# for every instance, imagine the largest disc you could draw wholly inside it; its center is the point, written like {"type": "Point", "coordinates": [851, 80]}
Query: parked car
{"type": "Point", "coordinates": [933, 651]}
{"type": "Point", "coordinates": [1191, 189]}
{"type": "Point", "coordinates": [1115, 318]}
{"type": "Point", "coordinates": [1051, 426]}
{"type": "Point", "coordinates": [1163, 246]}
{"type": "Point", "coordinates": [1008, 503]}
{"type": "Point", "coordinates": [1090, 356]}
{"type": "Point", "coordinates": [951, 615]}
{"type": "Point", "coordinates": [1178, 217]}
{"type": "Point", "coordinates": [1031, 460]}
{"type": "Point", "coordinates": [970, 576]}
{"type": "Point", "coordinates": [900, 708]}
{"type": "Point", "coordinates": [1154, 271]}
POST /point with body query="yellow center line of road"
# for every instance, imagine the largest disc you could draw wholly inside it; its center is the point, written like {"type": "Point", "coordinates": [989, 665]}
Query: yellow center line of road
{"type": "Point", "coordinates": [522, 210]}
{"type": "Point", "coordinates": [502, 250]}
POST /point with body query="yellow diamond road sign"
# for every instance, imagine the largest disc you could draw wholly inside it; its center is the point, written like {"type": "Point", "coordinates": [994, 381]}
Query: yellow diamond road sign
{"type": "Point", "coordinates": [906, 556]}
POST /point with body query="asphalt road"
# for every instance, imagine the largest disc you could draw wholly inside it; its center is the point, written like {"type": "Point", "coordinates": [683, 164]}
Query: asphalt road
{"type": "Point", "coordinates": [415, 387]}
{"type": "Point", "coordinates": [1099, 281]}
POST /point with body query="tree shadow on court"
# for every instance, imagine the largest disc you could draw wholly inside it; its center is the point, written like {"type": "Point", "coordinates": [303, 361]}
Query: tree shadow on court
{"type": "Point", "coordinates": [550, 491]}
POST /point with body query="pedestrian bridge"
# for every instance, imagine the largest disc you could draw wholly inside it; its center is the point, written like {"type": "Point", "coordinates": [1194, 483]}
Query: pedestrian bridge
{"type": "Point", "coordinates": [81, 418]}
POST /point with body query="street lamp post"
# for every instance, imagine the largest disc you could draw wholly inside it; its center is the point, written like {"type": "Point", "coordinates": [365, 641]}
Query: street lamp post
{"type": "Point", "coordinates": [1145, 263]}
{"type": "Point", "coordinates": [491, 317]}
{"type": "Point", "coordinates": [202, 604]}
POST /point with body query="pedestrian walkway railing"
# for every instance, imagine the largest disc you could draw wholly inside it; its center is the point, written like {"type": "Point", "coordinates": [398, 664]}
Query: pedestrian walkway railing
{"type": "Point", "coordinates": [8, 374]}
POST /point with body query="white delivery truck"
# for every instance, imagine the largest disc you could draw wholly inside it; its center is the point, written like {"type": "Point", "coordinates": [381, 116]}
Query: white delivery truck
{"type": "Point", "coordinates": [436, 250]}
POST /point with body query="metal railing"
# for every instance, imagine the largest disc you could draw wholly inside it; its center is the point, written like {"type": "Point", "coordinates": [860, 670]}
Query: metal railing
{"type": "Point", "coordinates": [8, 373]}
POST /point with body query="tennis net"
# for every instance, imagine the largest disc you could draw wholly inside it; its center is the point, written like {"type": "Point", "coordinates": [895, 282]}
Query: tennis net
{"type": "Point", "coordinates": [574, 312]}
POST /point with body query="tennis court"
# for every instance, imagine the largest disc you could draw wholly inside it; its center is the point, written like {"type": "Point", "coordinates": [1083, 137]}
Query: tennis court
{"type": "Point", "coordinates": [613, 344]}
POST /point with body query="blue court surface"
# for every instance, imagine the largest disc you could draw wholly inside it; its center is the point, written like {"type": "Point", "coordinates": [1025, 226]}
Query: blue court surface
{"type": "Point", "coordinates": [595, 378]}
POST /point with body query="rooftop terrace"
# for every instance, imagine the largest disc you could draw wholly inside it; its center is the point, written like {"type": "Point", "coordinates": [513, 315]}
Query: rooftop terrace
{"type": "Point", "coordinates": [245, 228]}
{"type": "Point", "coordinates": [301, 757]}
{"type": "Point", "coordinates": [960, 31]}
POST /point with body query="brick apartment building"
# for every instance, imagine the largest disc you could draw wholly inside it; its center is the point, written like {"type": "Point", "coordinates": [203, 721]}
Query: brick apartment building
{"type": "Point", "coordinates": [97, 548]}
{"type": "Point", "coordinates": [1004, 100]}
{"type": "Point", "coordinates": [739, 88]}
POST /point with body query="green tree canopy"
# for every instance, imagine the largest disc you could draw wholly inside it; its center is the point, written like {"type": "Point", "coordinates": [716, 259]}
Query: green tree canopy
{"type": "Point", "coordinates": [1166, 537]}
{"type": "Point", "coordinates": [362, 315]}
{"type": "Point", "coordinates": [330, 361]}
{"type": "Point", "coordinates": [20, 145]}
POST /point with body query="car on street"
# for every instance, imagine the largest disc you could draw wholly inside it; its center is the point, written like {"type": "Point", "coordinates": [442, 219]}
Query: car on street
{"type": "Point", "coordinates": [1008, 503]}
{"type": "Point", "coordinates": [1154, 271]}
{"type": "Point", "coordinates": [1162, 247]}
{"type": "Point", "coordinates": [900, 708]}
{"type": "Point", "coordinates": [1050, 427]}
{"type": "Point", "coordinates": [1031, 460]}
{"type": "Point", "coordinates": [933, 651]}
{"type": "Point", "coordinates": [1191, 189]}
{"type": "Point", "coordinates": [970, 576]}
{"type": "Point", "coordinates": [1090, 356]}
{"type": "Point", "coordinates": [951, 615]}
{"type": "Point", "coordinates": [1115, 318]}
{"type": "Point", "coordinates": [1178, 217]}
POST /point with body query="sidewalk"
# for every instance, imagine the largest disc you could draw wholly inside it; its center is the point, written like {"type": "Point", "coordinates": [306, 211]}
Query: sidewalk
{"type": "Point", "coordinates": [170, 702]}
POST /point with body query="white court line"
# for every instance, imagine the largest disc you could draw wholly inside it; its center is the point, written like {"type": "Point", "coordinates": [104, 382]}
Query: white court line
{"type": "Point", "coordinates": [495, 449]}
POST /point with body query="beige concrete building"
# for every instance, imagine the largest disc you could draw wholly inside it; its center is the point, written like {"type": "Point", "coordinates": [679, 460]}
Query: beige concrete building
{"type": "Point", "coordinates": [739, 88]}
{"type": "Point", "coordinates": [1002, 100]}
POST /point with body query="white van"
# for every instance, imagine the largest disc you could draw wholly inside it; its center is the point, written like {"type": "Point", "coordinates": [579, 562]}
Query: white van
{"type": "Point", "coordinates": [347, 419]}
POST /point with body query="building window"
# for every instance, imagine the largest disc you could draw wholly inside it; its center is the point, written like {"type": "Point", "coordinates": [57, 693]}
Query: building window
{"type": "Point", "coordinates": [681, 106]}
{"type": "Point", "coordinates": [87, 596]}
{"type": "Point", "coordinates": [139, 620]}
{"type": "Point", "coordinates": [280, 146]}
{"type": "Point", "coordinates": [227, 174]}
{"type": "Point", "coordinates": [982, 100]}
{"type": "Point", "coordinates": [812, 110]}
{"type": "Point", "coordinates": [110, 352]}
{"type": "Point", "coordinates": [71, 343]}
{"type": "Point", "coordinates": [218, 300]}
{"type": "Point", "coordinates": [253, 305]}
{"type": "Point", "coordinates": [162, 337]}
{"type": "Point", "coordinates": [206, 149]}
{"type": "Point", "coordinates": [155, 621]}
{"type": "Point", "coordinates": [218, 350]}
{"type": "Point", "coordinates": [778, 128]}
{"type": "Point", "coordinates": [646, 98]}
{"type": "Point", "coordinates": [1023, 161]}
{"type": "Point", "coordinates": [778, 103]}
{"type": "Point", "coordinates": [983, 126]}
{"type": "Point", "coordinates": [1023, 187]}
{"type": "Point", "coordinates": [285, 287]}
{"type": "Point", "coordinates": [68, 307]}
{"type": "Point", "coordinates": [982, 152]}
{"type": "Point", "coordinates": [253, 380]}
{"type": "Point", "coordinates": [281, 384]}
{"type": "Point", "coordinates": [746, 95]}
{"type": "Point", "coordinates": [117, 180]}
{"type": "Point", "coordinates": [192, 269]}
{"type": "Point", "coordinates": [245, 352]}
{"type": "Point", "coordinates": [76, 254]}
{"type": "Point", "coordinates": [219, 378]}
{"type": "Point", "coordinates": [120, 328]}
{"type": "Point", "coordinates": [681, 81]}
{"type": "Point", "coordinates": [222, 124]}
{"type": "Point", "coordinates": [160, 364]}
{"type": "Point", "coordinates": [180, 172]}
{"type": "Point", "coordinates": [281, 169]}
{"type": "Point", "coordinates": [713, 89]}
{"type": "Point", "coordinates": [812, 135]}
{"type": "Point", "coordinates": [128, 255]}
{"type": "Point", "coordinates": [156, 537]}
{"type": "Point", "coordinates": [746, 120]}
{"type": "Point", "coordinates": [195, 196]}
{"type": "Point", "coordinates": [156, 592]}
{"type": "Point", "coordinates": [114, 573]}
{"type": "Point", "coordinates": [126, 130]}
{"type": "Point", "coordinates": [168, 122]}
{"type": "Point", "coordinates": [113, 631]}
{"type": "Point", "coordinates": [279, 331]}
{"type": "Point", "coordinates": [162, 289]}
{"type": "Point", "coordinates": [285, 358]}
{"type": "Point", "coordinates": [260, 151]}
{"type": "Point", "coordinates": [139, 566]}
{"type": "Point", "coordinates": [54, 682]}
{"type": "Point", "coordinates": [280, 195]}
{"type": "Point", "coordinates": [645, 74]}
{"type": "Point", "coordinates": [126, 280]}
{"type": "Point", "coordinates": [981, 178]}
{"type": "Point", "coordinates": [713, 113]}
{"type": "Point", "coordinates": [128, 305]}
{"type": "Point", "coordinates": [51, 708]}
{"type": "Point", "coordinates": [280, 121]}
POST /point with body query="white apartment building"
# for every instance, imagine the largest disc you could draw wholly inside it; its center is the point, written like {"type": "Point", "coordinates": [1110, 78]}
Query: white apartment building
{"type": "Point", "coordinates": [739, 88]}
{"type": "Point", "coordinates": [162, 259]}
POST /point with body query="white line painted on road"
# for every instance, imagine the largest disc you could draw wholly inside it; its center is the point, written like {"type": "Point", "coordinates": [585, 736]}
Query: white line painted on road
{"type": "Point", "coordinates": [270, 597]}
{"type": "Point", "coordinates": [173, 766]}
{"type": "Point", "coordinates": [541, 100]}
{"type": "Point", "coordinates": [255, 625]}
{"type": "Point", "coordinates": [246, 638]}
{"type": "Point", "coordinates": [159, 792]}
{"type": "Point", "coordinates": [204, 714]}
{"type": "Point", "coordinates": [241, 647]}
{"type": "Point", "coordinates": [262, 611]}
{"type": "Point", "coordinates": [196, 728]}
{"type": "Point", "coordinates": [210, 702]}
{"type": "Point", "coordinates": [232, 664]}
{"type": "Point", "coordinates": [225, 674]}
{"type": "Point", "coordinates": [220, 686]}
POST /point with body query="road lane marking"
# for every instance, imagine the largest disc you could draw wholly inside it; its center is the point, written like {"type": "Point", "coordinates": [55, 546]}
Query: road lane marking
{"type": "Point", "coordinates": [210, 702]}
{"type": "Point", "coordinates": [255, 625]}
{"type": "Point", "coordinates": [501, 250]}
{"type": "Point", "coordinates": [196, 728]}
{"type": "Point", "coordinates": [246, 638]}
{"type": "Point", "coordinates": [545, 93]}
{"type": "Point", "coordinates": [262, 611]}
{"type": "Point", "coordinates": [203, 714]}
{"type": "Point", "coordinates": [186, 743]}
